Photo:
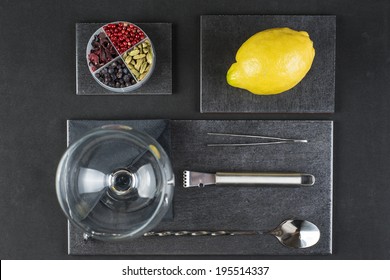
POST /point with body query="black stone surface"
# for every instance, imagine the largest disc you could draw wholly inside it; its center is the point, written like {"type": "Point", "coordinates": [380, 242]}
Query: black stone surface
{"type": "Point", "coordinates": [236, 207]}
{"type": "Point", "coordinates": [222, 36]}
{"type": "Point", "coordinates": [160, 83]}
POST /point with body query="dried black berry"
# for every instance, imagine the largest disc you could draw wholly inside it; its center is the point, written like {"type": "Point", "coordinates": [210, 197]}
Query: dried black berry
{"type": "Point", "coordinates": [126, 78]}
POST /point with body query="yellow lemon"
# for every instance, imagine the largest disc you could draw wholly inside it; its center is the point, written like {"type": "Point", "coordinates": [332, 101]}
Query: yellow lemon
{"type": "Point", "coordinates": [272, 61]}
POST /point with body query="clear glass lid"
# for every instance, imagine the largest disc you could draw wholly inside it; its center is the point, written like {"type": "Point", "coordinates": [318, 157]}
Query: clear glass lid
{"type": "Point", "coordinates": [115, 183]}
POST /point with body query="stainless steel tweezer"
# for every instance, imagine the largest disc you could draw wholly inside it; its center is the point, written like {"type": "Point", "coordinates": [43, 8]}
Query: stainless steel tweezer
{"type": "Point", "coordinates": [275, 140]}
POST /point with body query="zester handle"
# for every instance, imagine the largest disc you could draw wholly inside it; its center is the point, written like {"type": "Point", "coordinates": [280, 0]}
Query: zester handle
{"type": "Point", "coordinates": [264, 178]}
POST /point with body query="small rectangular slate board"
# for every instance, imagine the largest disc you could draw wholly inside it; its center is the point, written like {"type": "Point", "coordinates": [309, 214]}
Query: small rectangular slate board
{"type": "Point", "coordinates": [234, 207]}
{"type": "Point", "coordinates": [222, 36]}
{"type": "Point", "coordinates": [160, 83]}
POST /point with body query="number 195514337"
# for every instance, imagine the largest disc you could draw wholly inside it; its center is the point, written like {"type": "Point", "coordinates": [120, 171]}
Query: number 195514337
{"type": "Point", "coordinates": [239, 270]}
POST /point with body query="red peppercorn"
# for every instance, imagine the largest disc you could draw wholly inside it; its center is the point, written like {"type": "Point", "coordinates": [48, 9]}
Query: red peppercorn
{"type": "Point", "coordinates": [124, 35]}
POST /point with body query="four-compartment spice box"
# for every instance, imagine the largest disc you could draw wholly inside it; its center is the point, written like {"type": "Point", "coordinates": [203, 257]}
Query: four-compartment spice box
{"type": "Point", "coordinates": [120, 56]}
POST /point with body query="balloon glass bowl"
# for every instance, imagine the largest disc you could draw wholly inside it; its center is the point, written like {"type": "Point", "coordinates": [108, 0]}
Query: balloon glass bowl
{"type": "Point", "coordinates": [115, 183]}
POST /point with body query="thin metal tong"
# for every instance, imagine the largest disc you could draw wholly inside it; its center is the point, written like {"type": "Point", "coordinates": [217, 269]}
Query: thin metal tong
{"type": "Point", "coordinates": [275, 140]}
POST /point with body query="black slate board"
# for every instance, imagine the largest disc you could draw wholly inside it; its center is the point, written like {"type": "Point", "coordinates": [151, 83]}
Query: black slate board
{"type": "Point", "coordinates": [160, 83]}
{"type": "Point", "coordinates": [232, 207]}
{"type": "Point", "coordinates": [221, 37]}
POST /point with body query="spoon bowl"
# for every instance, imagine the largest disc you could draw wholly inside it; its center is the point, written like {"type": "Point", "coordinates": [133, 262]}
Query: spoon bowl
{"type": "Point", "coordinates": [297, 233]}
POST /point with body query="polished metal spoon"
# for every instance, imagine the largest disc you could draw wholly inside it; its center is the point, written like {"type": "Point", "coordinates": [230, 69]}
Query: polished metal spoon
{"type": "Point", "coordinates": [291, 233]}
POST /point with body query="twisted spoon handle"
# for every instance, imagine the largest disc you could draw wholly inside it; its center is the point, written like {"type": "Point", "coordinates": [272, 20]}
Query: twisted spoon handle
{"type": "Point", "coordinates": [200, 233]}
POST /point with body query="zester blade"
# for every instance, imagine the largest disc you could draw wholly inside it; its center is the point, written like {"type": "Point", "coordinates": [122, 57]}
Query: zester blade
{"type": "Point", "coordinates": [197, 179]}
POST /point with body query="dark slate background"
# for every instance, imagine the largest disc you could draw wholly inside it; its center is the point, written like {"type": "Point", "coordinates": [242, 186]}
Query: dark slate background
{"type": "Point", "coordinates": [37, 89]}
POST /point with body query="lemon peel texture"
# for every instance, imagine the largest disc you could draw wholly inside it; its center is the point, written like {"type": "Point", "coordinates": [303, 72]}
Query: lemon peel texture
{"type": "Point", "coordinates": [272, 61]}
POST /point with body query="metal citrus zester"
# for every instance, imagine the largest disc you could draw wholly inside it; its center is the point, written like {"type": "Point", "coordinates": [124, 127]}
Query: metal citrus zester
{"type": "Point", "coordinates": [200, 179]}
